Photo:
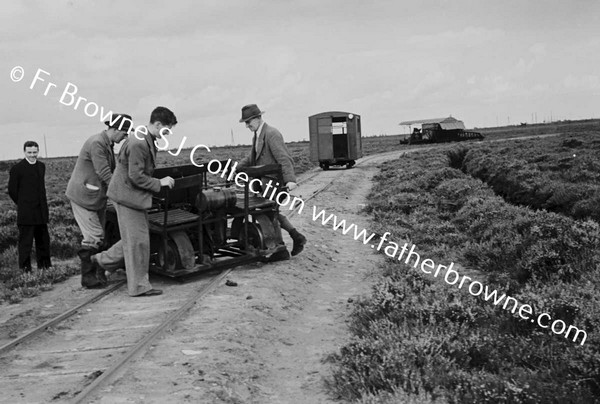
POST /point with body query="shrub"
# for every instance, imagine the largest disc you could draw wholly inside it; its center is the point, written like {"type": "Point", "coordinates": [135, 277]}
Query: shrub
{"type": "Point", "coordinates": [418, 335]}
{"type": "Point", "coordinates": [19, 285]}
{"type": "Point", "coordinates": [541, 175]}
{"type": "Point", "coordinates": [456, 157]}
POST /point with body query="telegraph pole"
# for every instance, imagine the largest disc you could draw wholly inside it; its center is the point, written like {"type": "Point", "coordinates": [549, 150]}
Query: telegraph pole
{"type": "Point", "coordinates": [45, 147]}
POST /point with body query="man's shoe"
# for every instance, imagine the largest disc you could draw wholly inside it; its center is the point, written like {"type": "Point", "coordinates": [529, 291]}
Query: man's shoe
{"type": "Point", "coordinates": [299, 242]}
{"type": "Point", "coordinates": [91, 280]}
{"type": "Point", "coordinates": [88, 276]}
{"type": "Point", "coordinates": [89, 270]}
{"type": "Point", "coordinates": [93, 284]}
{"type": "Point", "coordinates": [151, 292]}
{"type": "Point", "coordinates": [278, 256]}
{"type": "Point", "coordinates": [117, 276]}
{"type": "Point", "coordinates": [100, 275]}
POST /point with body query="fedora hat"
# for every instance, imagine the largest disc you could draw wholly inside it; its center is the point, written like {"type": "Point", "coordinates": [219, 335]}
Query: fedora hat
{"type": "Point", "coordinates": [250, 111]}
{"type": "Point", "coordinates": [119, 122]}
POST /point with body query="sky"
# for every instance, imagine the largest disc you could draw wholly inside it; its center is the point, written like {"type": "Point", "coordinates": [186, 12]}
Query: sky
{"type": "Point", "coordinates": [486, 63]}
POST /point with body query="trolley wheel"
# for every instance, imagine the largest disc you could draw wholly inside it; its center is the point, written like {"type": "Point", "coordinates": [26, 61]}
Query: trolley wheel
{"type": "Point", "coordinates": [255, 237]}
{"type": "Point", "coordinates": [350, 164]}
{"type": "Point", "coordinates": [170, 256]}
{"type": "Point", "coordinates": [325, 166]}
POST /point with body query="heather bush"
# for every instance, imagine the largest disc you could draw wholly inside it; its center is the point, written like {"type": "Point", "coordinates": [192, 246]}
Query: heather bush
{"type": "Point", "coordinates": [9, 263]}
{"type": "Point", "coordinates": [9, 234]}
{"type": "Point", "coordinates": [425, 338]}
{"type": "Point", "coordinates": [399, 396]}
{"type": "Point", "coordinates": [560, 175]}
{"type": "Point", "coordinates": [421, 336]}
{"type": "Point", "coordinates": [456, 157]}
{"type": "Point", "coordinates": [17, 285]}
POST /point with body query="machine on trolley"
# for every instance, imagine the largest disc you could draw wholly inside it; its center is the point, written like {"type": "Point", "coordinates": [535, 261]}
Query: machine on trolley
{"type": "Point", "coordinates": [196, 227]}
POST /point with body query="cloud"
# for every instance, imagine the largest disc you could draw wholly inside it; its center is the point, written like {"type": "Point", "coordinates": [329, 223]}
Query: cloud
{"type": "Point", "coordinates": [538, 49]}
{"type": "Point", "coordinates": [468, 37]}
{"type": "Point", "coordinates": [523, 66]}
{"type": "Point", "coordinates": [585, 82]}
{"type": "Point", "coordinates": [205, 60]}
{"type": "Point", "coordinates": [118, 19]}
{"type": "Point", "coordinates": [489, 88]}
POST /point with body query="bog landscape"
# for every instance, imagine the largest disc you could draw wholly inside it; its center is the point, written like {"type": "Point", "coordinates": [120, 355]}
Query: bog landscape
{"type": "Point", "coordinates": [518, 211]}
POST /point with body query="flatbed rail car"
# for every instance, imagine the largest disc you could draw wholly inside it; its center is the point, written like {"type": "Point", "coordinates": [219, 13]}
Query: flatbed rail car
{"type": "Point", "coordinates": [335, 139]}
{"type": "Point", "coordinates": [439, 130]}
{"type": "Point", "coordinates": [195, 227]}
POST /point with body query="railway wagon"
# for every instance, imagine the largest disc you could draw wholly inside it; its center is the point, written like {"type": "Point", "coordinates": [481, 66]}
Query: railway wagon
{"type": "Point", "coordinates": [335, 139]}
{"type": "Point", "coordinates": [205, 223]}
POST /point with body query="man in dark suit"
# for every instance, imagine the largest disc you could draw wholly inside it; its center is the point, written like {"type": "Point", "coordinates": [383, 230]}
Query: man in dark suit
{"type": "Point", "coordinates": [87, 192]}
{"type": "Point", "coordinates": [27, 188]}
{"type": "Point", "coordinates": [268, 147]}
{"type": "Point", "coordinates": [130, 190]}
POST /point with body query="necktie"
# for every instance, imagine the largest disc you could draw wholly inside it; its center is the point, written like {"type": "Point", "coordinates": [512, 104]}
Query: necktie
{"type": "Point", "coordinates": [253, 152]}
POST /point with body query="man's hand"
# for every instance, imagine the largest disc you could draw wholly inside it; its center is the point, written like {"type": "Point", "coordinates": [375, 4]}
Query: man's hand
{"type": "Point", "coordinates": [167, 182]}
{"type": "Point", "coordinates": [291, 186]}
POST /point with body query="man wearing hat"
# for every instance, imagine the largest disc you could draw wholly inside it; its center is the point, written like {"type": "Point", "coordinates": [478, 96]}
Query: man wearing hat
{"type": "Point", "coordinates": [268, 147]}
{"type": "Point", "coordinates": [87, 191]}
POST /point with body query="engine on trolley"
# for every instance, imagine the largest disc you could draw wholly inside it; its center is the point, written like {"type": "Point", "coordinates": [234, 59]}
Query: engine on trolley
{"type": "Point", "coordinates": [197, 226]}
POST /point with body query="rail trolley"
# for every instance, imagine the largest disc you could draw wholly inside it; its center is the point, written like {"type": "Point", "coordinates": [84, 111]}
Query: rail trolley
{"type": "Point", "coordinates": [195, 227]}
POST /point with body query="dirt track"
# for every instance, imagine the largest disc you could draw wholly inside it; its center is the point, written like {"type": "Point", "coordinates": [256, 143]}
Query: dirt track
{"type": "Point", "coordinates": [263, 341]}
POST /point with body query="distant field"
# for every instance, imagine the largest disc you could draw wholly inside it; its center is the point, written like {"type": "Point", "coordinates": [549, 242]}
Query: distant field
{"type": "Point", "coordinates": [65, 235]}
{"type": "Point", "coordinates": [570, 127]}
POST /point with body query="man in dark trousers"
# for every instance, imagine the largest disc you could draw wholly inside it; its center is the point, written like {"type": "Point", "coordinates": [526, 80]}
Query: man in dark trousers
{"type": "Point", "coordinates": [268, 147]}
{"type": "Point", "coordinates": [130, 190]}
{"type": "Point", "coordinates": [87, 192]}
{"type": "Point", "coordinates": [27, 188]}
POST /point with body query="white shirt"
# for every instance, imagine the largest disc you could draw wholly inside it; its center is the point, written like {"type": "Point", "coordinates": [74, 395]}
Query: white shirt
{"type": "Point", "coordinates": [258, 132]}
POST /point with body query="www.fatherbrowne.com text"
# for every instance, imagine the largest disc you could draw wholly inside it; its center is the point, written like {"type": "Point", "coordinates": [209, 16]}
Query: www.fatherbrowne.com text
{"type": "Point", "coordinates": [408, 253]}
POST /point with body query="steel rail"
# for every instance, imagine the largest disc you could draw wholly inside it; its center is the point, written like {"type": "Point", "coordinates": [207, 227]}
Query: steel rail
{"type": "Point", "coordinates": [61, 317]}
{"type": "Point", "coordinates": [108, 374]}
{"type": "Point", "coordinates": [65, 315]}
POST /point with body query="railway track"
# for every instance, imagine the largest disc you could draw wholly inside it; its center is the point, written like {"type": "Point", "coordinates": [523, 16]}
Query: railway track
{"type": "Point", "coordinates": [95, 340]}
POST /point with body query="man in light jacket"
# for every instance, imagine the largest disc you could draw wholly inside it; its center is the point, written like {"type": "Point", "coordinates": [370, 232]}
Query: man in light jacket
{"type": "Point", "coordinates": [87, 191]}
{"type": "Point", "coordinates": [130, 190]}
{"type": "Point", "coordinates": [268, 147]}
